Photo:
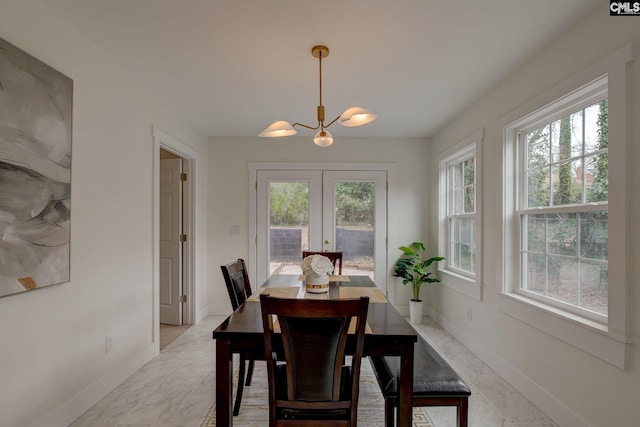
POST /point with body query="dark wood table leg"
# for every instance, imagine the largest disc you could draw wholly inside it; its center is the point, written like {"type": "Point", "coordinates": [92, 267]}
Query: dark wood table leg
{"type": "Point", "coordinates": [224, 383]}
{"type": "Point", "coordinates": [405, 371]}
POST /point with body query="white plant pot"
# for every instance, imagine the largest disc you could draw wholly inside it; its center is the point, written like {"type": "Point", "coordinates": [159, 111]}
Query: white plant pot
{"type": "Point", "coordinates": [415, 311]}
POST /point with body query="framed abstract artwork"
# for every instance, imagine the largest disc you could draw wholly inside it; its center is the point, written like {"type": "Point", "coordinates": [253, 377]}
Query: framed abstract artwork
{"type": "Point", "coordinates": [35, 172]}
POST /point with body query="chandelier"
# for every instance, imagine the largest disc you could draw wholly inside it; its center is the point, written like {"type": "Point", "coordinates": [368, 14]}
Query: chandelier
{"type": "Point", "coordinates": [354, 116]}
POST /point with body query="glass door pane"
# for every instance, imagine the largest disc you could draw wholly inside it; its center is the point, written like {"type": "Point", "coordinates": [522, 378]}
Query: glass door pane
{"type": "Point", "coordinates": [288, 221]}
{"type": "Point", "coordinates": [354, 218]}
{"type": "Point", "coordinates": [288, 225]}
{"type": "Point", "coordinates": [354, 226]}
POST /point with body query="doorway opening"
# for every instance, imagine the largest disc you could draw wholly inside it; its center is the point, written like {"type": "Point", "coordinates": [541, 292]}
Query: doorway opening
{"type": "Point", "coordinates": [319, 207]}
{"type": "Point", "coordinates": [168, 333]}
{"type": "Point", "coordinates": [174, 288]}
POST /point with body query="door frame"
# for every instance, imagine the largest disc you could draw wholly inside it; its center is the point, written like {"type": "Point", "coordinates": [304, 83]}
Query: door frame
{"type": "Point", "coordinates": [189, 157]}
{"type": "Point", "coordinates": [254, 167]}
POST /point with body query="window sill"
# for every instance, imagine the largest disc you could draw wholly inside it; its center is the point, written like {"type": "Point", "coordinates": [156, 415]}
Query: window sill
{"type": "Point", "coordinates": [588, 336]}
{"type": "Point", "coordinates": [465, 285]}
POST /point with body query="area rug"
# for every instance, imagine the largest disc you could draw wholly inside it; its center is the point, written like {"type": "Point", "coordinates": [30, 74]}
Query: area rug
{"type": "Point", "coordinates": [254, 410]}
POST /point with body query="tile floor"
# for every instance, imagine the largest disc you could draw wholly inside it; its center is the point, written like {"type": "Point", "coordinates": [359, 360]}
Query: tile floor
{"type": "Point", "coordinates": [176, 388]}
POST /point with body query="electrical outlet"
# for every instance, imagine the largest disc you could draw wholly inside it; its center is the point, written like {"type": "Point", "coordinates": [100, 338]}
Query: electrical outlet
{"type": "Point", "coordinates": [108, 343]}
{"type": "Point", "coordinates": [469, 314]}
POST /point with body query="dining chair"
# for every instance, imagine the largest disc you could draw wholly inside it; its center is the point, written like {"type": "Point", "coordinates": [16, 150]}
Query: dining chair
{"type": "Point", "coordinates": [334, 257]}
{"type": "Point", "coordinates": [237, 279]}
{"type": "Point", "coordinates": [313, 387]}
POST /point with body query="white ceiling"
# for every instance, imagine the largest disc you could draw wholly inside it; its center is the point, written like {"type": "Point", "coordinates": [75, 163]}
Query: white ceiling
{"type": "Point", "coordinates": [231, 67]}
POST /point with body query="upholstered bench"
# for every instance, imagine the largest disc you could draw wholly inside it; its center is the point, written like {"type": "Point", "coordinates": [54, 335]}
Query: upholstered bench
{"type": "Point", "coordinates": [435, 383]}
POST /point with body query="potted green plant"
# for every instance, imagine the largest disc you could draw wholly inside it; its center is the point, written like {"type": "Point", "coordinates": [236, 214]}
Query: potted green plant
{"type": "Point", "coordinates": [412, 268]}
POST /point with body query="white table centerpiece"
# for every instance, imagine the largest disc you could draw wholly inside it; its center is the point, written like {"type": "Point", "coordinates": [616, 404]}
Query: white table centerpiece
{"type": "Point", "coordinates": [316, 269]}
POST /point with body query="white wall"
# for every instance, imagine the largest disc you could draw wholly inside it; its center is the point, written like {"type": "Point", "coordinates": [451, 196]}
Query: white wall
{"type": "Point", "coordinates": [229, 194]}
{"type": "Point", "coordinates": [572, 386]}
{"type": "Point", "coordinates": [53, 364]}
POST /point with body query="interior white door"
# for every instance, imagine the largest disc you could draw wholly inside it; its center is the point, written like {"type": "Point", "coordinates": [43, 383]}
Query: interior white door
{"type": "Point", "coordinates": [170, 242]}
{"type": "Point", "coordinates": [317, 210]}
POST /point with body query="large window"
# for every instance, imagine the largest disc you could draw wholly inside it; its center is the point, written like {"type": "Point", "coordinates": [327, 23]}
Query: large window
{"type": "Point", "coordinates": [459, 216]}
{"type": "Point", "coordinates": [461, 213]}
{"type": "Point", "coordinates": [563, 208]}
{"type": "Point", "coordinates": [565, 212]}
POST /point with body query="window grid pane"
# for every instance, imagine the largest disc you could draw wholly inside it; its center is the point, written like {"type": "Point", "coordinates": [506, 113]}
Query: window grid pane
{"type": "Point", "coordinates": [462, 247]}
{"type": "Point", "coordinates": [569, 158]}
{"type": "Point", "coordinates": [564, 258]}
{"type": "Point", "coordinates": [469, 185]}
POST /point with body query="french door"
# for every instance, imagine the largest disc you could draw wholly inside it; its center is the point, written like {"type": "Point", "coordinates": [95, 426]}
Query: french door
{"type": "Point", "coordinates": [330, 210]}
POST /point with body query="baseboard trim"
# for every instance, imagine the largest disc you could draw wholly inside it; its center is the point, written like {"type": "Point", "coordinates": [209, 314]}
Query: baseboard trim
{"type": "Point", "coordinates": [403, 309]}
{"type": "Point", "coordinates": [556, 410]}
{"type": "Point", "coordinates": [66, 413]}
{"type": "Point", "coordinates": [201, 313]}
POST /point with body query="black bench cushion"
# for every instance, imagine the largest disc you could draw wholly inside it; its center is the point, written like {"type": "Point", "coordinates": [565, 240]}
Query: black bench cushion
{"type": "Point", "coordinates": [432, 375]}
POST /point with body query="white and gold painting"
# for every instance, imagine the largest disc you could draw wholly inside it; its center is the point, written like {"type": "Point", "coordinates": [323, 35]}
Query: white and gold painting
{"type": "Point", "coordinates": [35, 172]}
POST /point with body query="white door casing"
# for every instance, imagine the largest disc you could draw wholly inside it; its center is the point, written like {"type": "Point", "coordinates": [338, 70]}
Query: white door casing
{"type": "Point", "coordinates": [170, 241]}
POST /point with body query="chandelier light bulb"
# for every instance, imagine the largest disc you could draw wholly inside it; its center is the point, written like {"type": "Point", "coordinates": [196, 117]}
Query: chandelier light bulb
{"type": "Point", "coordinates": [323, 139]}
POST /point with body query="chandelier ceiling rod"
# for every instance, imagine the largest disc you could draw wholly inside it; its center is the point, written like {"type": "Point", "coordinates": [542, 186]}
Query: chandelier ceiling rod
{"type": "Point", "coordinates": [319, 52]}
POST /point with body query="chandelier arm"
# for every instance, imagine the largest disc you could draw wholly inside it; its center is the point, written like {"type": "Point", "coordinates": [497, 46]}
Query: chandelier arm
{"type": "Point", "coordinates": [332, 122]}
{"type": "Point", "coordinates": [308, 127]}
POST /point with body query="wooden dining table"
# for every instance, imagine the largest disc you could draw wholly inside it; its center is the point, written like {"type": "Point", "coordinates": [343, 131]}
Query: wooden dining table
{"type": "Point", "coordinates": [388, 334]}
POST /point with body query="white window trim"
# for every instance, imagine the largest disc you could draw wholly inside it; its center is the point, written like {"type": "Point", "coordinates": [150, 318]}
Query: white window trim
{"type": "Point", "coordinates": [468, 285]}
{"type": "Point", "coordinates": [607, 342]}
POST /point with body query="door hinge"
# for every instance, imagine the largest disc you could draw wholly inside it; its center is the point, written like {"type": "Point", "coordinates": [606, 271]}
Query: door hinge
{"type": "Point", "coordinates": [183, 298]}
{"type": "Point", "coordinates": [183, 177]}
{"type": "Point", "coordinates": [183, 237]}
